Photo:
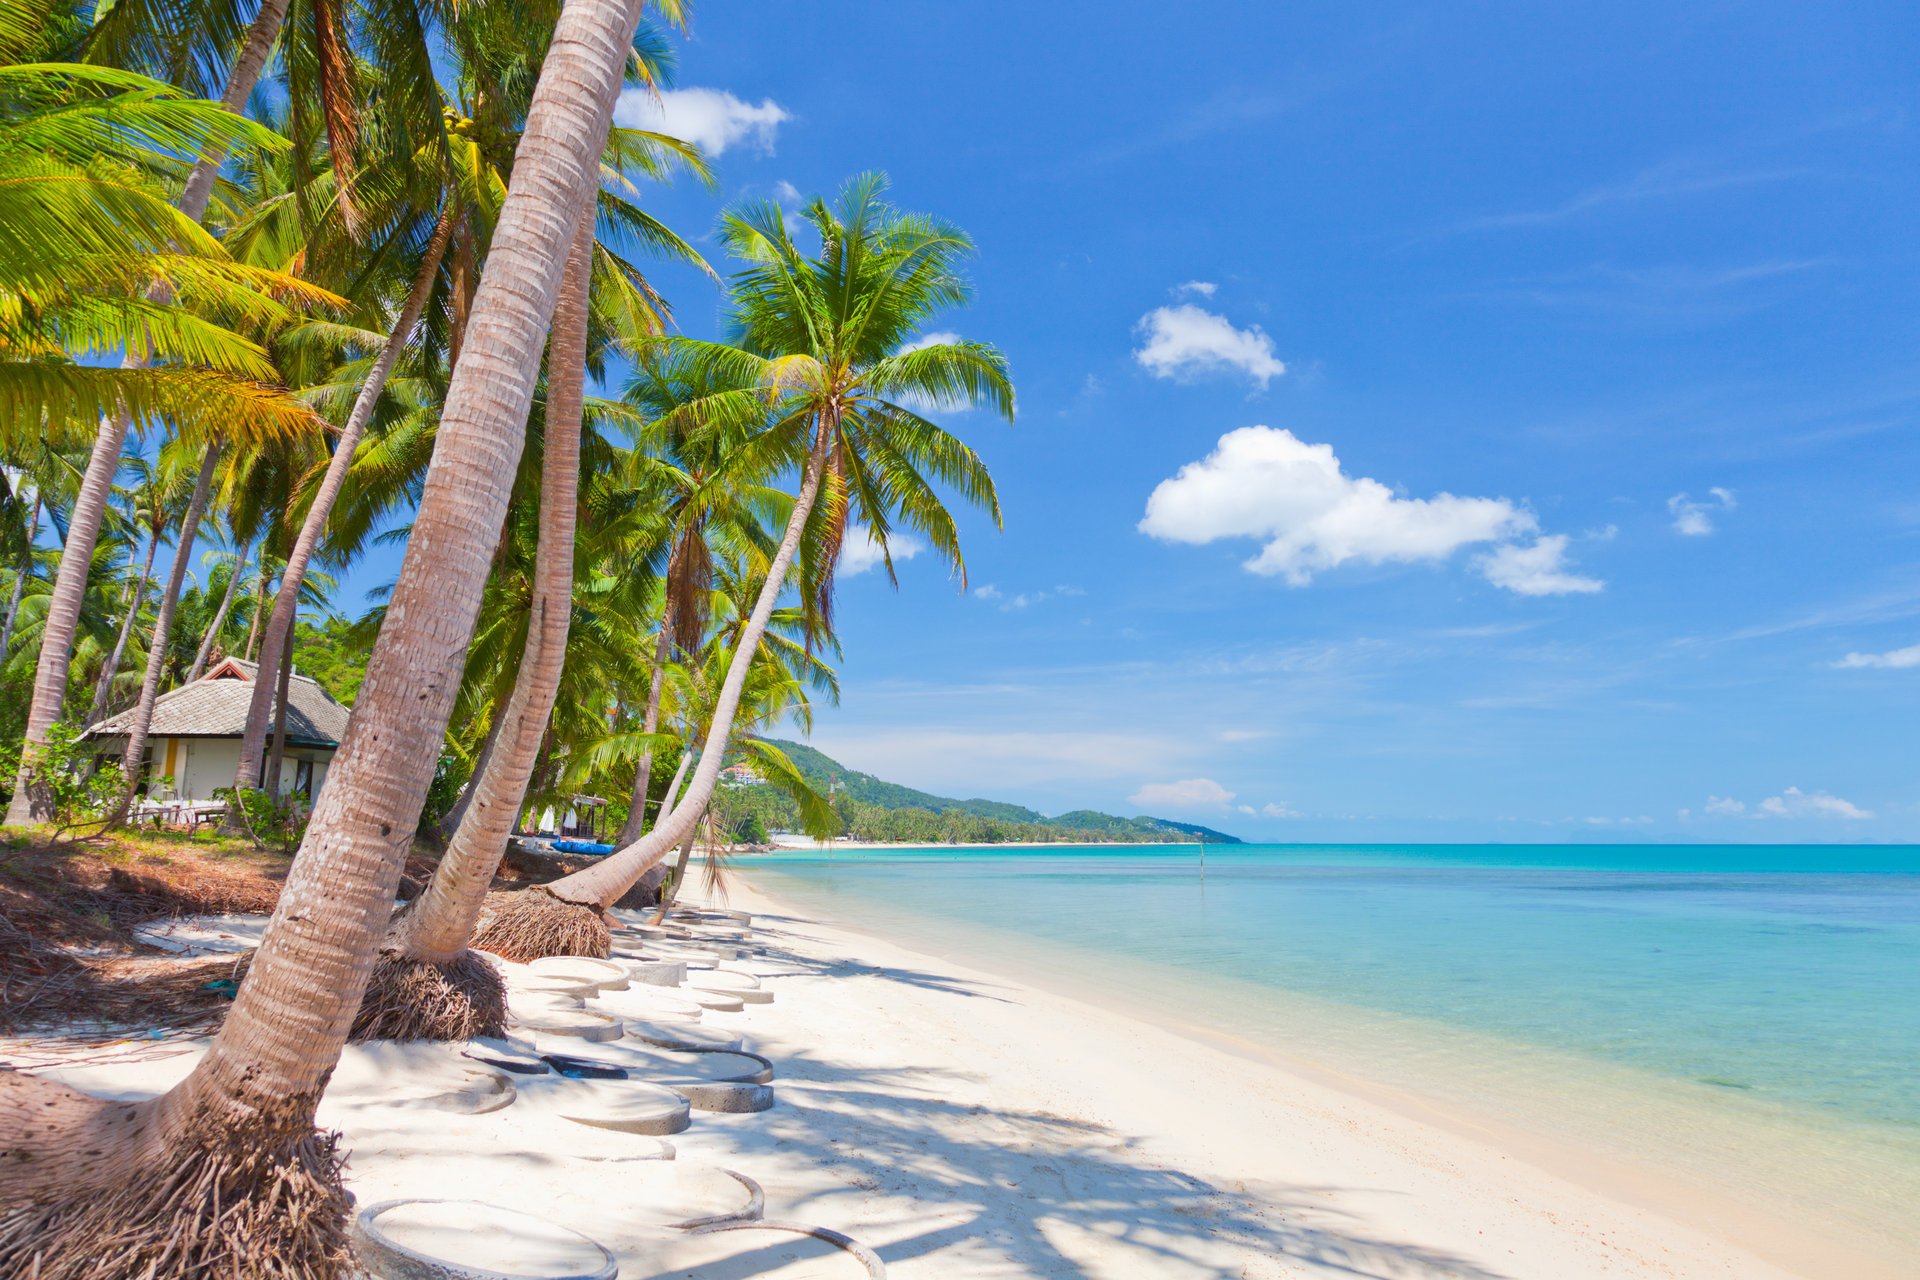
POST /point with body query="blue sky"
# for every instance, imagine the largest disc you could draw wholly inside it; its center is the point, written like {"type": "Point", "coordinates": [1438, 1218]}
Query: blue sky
{"type": "Point", "coordinates": [1525, 395]}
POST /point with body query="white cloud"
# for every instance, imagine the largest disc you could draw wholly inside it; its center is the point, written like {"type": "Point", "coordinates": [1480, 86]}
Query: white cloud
{"type": "Point", "coordinates": [712, 119]}
{"type": "Point", "coordinates": [1694, 519]}
{"type": "Point", "coordinates": [1190, 793]}
{"type": "Point", "coordinates": [1247, 809]}
{"type": "Point", "coordinates": [1893, 659]}
{"type": "Point", "coordinates": [929, 340]}
{"type": "Point", "coordinates": [786, 193]}
{"type": "Point", "coordinates": [1725, 805]}
{"type": "Point", "coordinates": [1184, 341]}
{"type": "Point", "coordinates": [1204, 288]}
{"type": "Point", "coordinates": [1278, 811]}
{"type": "Point", "coordinates": [988, 592]}
{"type": "Point", "coordinates": [862, 551]}
{"type": "Point", "coordinates": [1795, 803]}
{"type": "Point", "coordinates": [1264, 482]}
{"type": "Point", "coordinates": [969, 762]}
{"type": "Point", "coordinates": [1538, 570]}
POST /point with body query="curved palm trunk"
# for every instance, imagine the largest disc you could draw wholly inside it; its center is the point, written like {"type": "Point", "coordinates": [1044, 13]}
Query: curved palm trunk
{"type": "Point", "coordinates": [103, 687]}
{"type": "Point", "coordinates": [280, 621]}
{"type": "Point", "coordinates": [679, 875]}
{"type": "Point", "coordinates": [605, 881]}
{"type": "Point", "coordinates": [275, 757]}
{"type": "Point", "coordinates": [20, 582]}
{"type": "Point", "coordinates": [218, 1176]}
{"type": "Point", "coordinates": [679, 776]}
{"type": "Point", "coordinates": [219, 618]}
{"type": "Point", "coordinates": [259, 608]}
{"type": "Point", "coordinates": [136, 754]}
{"type": "Point", "coordinates": [458, 814]}
{"type": "Point", "coordinates": [438, 926]}
{"type": "Point", "coordinates": [643, 776]}
{"type": "Point", "coordinates": [30, 802]}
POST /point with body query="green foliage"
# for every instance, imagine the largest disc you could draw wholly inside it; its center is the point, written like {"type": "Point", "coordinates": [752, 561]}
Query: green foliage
{"type": "Point", "coordinates": [64, 766]}
{"type": "Point", "coordinates": [268, 820]}
{"type": "Point", "coordinates": [334, 653]}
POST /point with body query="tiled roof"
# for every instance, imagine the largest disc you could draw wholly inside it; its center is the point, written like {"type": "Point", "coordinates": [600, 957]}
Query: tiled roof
{"type": "Point", "coordinates": [215, 706]}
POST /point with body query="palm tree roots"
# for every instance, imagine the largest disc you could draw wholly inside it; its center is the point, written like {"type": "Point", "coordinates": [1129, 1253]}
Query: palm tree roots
{"type": "Point", "coordinates": [235, 1202]}
{"type": "Point", "coordinates": [419, 1000]}
{"type": "Point", "coordinates": [533, 923]}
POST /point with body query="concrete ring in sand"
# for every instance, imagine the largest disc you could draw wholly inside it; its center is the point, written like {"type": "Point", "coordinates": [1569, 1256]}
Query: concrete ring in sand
{"type": "Point", "coordinates": [725, 1097]}
{"type": "Point", "coordinates": [468, 1240]}
{"type": "Point", "coordinates": [584, 1023]}
{"type": "Point", "coordinates": [603, 974]}
{"type": "Point", "coordinates": [652, 971]}
{"type": "Point", "coordinates": [681, 1035]}
{"type": "Point", "coordinates": [718, 1001]}
{"type": "Point", "coordinates": [631, 1106]}
{"type": "Point", "coordinates": [650, 1003]}
{"type": "Point", "coordinates": [855, 1252]}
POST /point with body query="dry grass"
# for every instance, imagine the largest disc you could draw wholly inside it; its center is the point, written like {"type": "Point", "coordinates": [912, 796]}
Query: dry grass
{"type": "Point", "coordinates": [417, 1000]}
{"type": "Point", "coordinates": [228, 1206]}
{"type": "Point", "coordinates": [533, 923]}
{"type": "Point", "coordinates": [67, 915]}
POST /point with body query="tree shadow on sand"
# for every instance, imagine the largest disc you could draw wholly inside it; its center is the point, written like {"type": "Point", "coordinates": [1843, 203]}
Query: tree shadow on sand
{"type": "Point", "coordinates": [991, 1184]}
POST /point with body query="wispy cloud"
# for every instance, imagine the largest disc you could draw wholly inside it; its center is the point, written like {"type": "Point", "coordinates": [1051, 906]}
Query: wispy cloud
{"type": "Point", "coordinates": [1675, 179]}
{"type": "Point", "coordinates": [1694, 518]}
{"type": "Point", "coordinates": [1891, 660]}
{"type": "Point", "coordinates": [862, 551]}
{"type": "Point", "coordinates": [1791, 803]}
{"type": "Point", "coordinates": [1186, 341]}
{"type": "Point", "coordinates": [712, 119]}
{"type": "Point", "coordinates": [1201, 288]}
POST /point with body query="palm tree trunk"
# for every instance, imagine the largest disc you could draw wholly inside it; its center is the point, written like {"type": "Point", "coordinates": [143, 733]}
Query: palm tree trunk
{"type": "Point", "coordinates": [20, 581]}
{"type": "Point", "coordinates": [438, 927]}
{"type": "Point", "coordinates": [259, 605]}
{"type": "Point", "coordinates": [672, 894]}
{"type": "Point", "coordinates": [643, 776]}
{"type": "Point", "coordinates": [271, 778]}
{"type": "Point", "coordinates": [612, 876]}
{"type": "Point", "coordinates": [135, 758]}
{"type": "Point", "coordinates": [103, 687]}
{"type": "Point", "coordinates": [80, 1171]}
{"type": "Point", "coordinates": [679, 776]}
{"type": "Point", "coordinates": [30, 802]}
{"type": "Point", "coordinates": [458, 814]}
{"type": "Point", "coordinates": [219, 618]}
{"type": "Point", "coordinates": [280, 622]}
{"type": "Point", "coordinates": [241, 79]}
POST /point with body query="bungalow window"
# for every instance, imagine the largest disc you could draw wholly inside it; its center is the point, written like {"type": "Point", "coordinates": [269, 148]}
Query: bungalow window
{"type": "Point", "coordinates": [303, 777]}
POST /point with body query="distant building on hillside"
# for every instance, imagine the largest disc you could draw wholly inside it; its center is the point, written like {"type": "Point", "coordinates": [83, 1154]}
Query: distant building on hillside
{"type": "Point", "coordinates": [193, 746]}
{"type": "Point", "coordinates": [743, 774]}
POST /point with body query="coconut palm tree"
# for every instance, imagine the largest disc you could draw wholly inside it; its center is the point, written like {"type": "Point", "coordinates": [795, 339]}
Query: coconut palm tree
{"type": "Point", "coordinates": [831, 346]}
{"type": "Point", "coordinates": [225, 1173]}
{"type": "Point", "coordinates": [468, 190]}
{"type": "Point", "coordinates": [92, 260]}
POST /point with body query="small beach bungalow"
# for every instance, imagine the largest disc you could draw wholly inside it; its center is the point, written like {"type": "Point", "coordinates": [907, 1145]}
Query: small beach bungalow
{"type": "Point", "coordinates": [194, 744]}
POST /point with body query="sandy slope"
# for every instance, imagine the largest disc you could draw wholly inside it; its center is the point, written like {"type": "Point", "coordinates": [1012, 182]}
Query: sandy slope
{"type": "Point", "coordinates": [966, 1126]}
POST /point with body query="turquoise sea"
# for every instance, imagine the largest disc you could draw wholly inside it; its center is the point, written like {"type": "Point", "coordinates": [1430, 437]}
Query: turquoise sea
{"type": "Point", "coordinates": [1747, 1017]}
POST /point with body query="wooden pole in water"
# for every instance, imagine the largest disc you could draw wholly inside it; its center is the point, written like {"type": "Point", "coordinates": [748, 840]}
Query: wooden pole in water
{"type": "Point", "coordinates": [1202, 842]}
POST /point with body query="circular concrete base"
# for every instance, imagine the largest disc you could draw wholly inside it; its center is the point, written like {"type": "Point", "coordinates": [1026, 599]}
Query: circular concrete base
{"type": "Point", "coordinates": [467, 1240]}
{"type": "Point", "coordinates": [681, 1035]}
{"type": "Point", "coordinates": [505, 1056]}
{"type": "Point", "coordinates": [719, 1002]}
{"type": "Point", "coordinates": [765, 1250]}
{"type": "Point", "coordinates": [631, 1106]}
{"type": "Point", "coordinates": [725, 1097]}
{"type": "Point", "coordinates": [604, 974]}
{"type": "Point", "coordinates": [672, 1067]}
{"type": "Point", "coordinates": [650, 1002]}
{"type": "Point", "coordinates": [652, 971]}
{"type": "Point", "coordinates": [584, 1023]}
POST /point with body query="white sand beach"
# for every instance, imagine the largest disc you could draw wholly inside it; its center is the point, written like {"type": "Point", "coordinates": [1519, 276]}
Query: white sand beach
{"type": "Point", "coordinates": [965, 1124]}
{"type": "Point", "coordinates": [968, 1125]}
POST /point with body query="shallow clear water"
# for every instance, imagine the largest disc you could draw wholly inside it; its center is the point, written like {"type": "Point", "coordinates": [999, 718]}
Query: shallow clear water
{"type": "Point", "coordinates": [1766, 984]}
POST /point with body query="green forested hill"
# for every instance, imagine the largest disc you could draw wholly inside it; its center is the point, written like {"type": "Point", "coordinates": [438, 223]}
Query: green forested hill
{"type": "Point", "coordinates": [880, 810]}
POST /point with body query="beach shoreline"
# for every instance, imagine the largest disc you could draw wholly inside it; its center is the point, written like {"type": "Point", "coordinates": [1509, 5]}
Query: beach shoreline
{"type": "Point", "coordinates": [1441, 1190]}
